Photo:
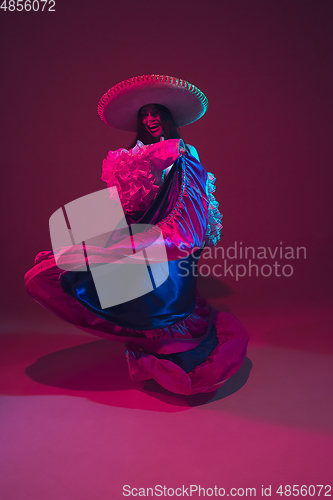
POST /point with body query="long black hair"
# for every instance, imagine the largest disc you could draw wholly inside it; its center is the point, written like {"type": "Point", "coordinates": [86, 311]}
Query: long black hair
{"type": "Point", "coordinates": [170, 128]}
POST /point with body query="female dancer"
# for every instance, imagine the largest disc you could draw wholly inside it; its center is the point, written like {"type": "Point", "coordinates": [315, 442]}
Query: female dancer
{"type": "Point", "coordinates": [172, 335]}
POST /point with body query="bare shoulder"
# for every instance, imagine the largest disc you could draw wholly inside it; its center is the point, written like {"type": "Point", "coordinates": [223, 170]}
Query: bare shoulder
{"type": "Point", "coordinates": [193, 151]}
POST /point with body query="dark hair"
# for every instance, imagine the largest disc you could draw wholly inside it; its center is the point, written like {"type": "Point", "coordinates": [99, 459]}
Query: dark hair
{"type": "Point", "coordinates": [170, 128]}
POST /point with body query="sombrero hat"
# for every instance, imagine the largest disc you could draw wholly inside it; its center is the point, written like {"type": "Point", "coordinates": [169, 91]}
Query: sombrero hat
{"type": "Point", "coordinates": [119, 106]}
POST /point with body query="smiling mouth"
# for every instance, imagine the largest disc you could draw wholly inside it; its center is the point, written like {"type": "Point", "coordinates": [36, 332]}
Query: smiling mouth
{"type": "Point", "coordinates": [154, 128]}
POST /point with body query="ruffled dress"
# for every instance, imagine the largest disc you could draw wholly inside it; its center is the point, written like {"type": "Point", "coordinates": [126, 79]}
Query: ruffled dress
{"type": "Point", "coordinates": [172, 335]}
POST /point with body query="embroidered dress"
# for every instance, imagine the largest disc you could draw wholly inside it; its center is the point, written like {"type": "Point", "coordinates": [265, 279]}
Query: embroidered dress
{"type": "Point", "coordinates": [172, 334]}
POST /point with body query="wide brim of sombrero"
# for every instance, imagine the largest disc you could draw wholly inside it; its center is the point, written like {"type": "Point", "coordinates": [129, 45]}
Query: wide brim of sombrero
{"type": "Point", "coordinates": [119, 106]}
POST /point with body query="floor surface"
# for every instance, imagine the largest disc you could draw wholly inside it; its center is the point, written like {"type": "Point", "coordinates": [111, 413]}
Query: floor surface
{"type": "Point", "coordinates": [74, 426]}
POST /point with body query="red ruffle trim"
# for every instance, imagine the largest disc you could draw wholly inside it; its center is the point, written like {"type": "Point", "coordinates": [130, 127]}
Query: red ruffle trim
{"type": "Point", "coordinates": [129, 171]}
{"type": "Point", "coordinates": [224, 361]}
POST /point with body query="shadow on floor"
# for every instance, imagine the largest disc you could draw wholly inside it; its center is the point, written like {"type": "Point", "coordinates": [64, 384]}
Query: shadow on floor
{"type": "Point", "coordinates": [101, 366]}
{"type": "Point", "coordinates": [96, 366]}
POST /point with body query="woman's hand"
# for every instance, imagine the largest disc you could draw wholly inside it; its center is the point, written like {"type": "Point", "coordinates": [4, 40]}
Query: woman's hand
{"type": "Point", "coordinates": [182, 147]}
{"type": "Point", "coordinates": [164, 154]}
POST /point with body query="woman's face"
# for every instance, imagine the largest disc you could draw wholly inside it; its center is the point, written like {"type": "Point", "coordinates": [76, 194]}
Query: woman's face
{"type": "Point", "coordinates": [151, 120]}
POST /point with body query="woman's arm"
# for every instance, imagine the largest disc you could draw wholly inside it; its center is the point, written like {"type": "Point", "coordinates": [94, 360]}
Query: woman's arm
{"type": "Point", "coordinates": [165, 153]}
